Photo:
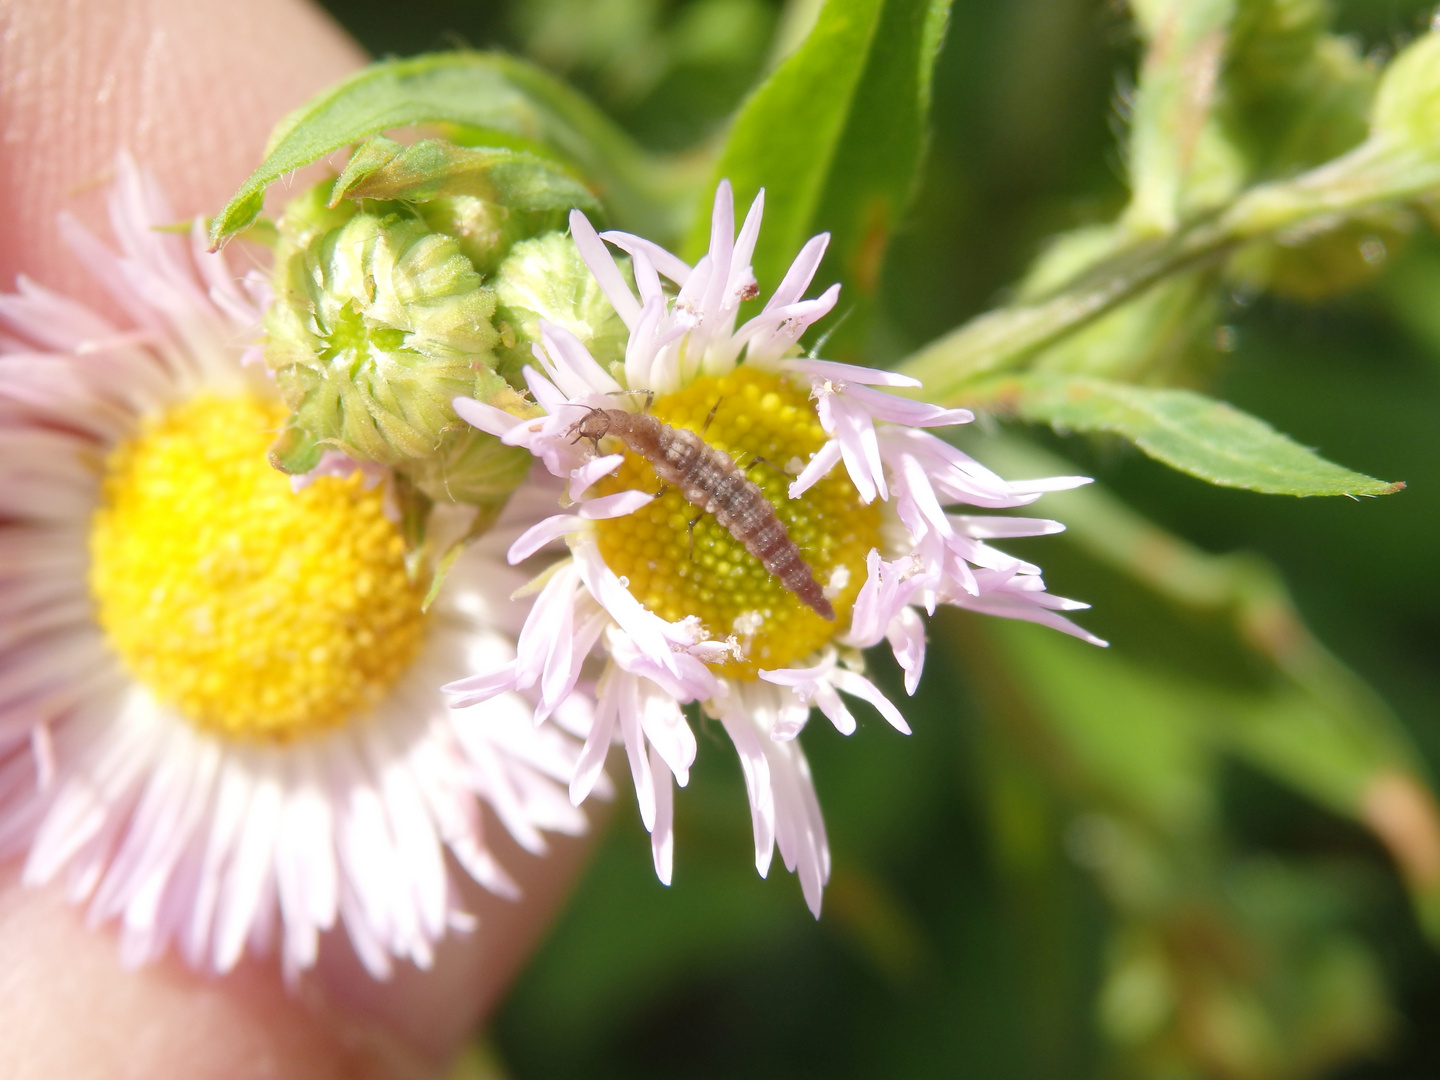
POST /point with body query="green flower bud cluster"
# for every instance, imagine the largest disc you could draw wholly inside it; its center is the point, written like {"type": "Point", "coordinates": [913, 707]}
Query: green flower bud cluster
{"type": "Point", "coordinates": [418, 276]}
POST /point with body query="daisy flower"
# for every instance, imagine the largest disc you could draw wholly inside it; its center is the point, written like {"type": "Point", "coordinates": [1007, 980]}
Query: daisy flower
{"type": "Point", "coordinates": [672, 604]}
{"type": "Point", "coordinates": [218, 718]}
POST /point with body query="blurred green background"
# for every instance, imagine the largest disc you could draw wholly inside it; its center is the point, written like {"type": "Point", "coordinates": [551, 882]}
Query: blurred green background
{"type": "Point", "coordinates": [1063, 872]}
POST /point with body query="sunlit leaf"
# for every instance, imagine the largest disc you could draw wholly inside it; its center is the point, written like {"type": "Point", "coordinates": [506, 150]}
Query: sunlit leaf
{"type": "Point", "coordinates": [1190, 432]}
{"type": "Point", "coordinates": [835, 137]}
{"type": "Point", "coordinates": [496, 97]}
{"type": "Point", "coordinates": [431, 168]}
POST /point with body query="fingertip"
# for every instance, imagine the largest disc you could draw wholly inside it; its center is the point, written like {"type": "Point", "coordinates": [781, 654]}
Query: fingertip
{"type": "Point", "coordinates": [190, 89]}
{"type": "Point", "coordinates": [69, 1009]}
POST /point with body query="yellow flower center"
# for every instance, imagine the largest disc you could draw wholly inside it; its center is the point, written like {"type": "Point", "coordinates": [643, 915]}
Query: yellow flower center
{"type": "Point", "coordinates": [711, 575]}
{"type": "Point", "coordinates": [254, 611]}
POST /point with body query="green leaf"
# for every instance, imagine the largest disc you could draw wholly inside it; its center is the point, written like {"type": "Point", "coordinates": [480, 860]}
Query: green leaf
{"type": "Point", "coordinates": [1190, 432]}
{"type": "Point", "coordinates": [499, 99]}
{"type": "Point", "coordinates": [432, 168]}
{"type": "Point", "coordinates": [1224, 666]}
{"type": "Point", "coordinates": [835, 136]}
{"type": "Point", "coordinates": [1128, 735]}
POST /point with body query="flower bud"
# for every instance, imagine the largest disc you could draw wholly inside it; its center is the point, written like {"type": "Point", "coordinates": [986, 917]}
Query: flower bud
{"type": "Point", "coordinates": [383, 314]}
{"type": "Point", "coordinates": [378, 323]}
{"type": "Point", "coordinates": [1407, 106]}
{"type": "Point", "coordinates": [545, 278]}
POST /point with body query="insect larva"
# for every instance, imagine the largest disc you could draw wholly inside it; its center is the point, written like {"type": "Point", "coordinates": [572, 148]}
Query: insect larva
{"type": "Point", "coordinates": [709, 479]}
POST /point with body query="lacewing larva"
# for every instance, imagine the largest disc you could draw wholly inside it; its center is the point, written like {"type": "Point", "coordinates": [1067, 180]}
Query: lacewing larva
{"type": "Point", "coordinates": [709, 480]}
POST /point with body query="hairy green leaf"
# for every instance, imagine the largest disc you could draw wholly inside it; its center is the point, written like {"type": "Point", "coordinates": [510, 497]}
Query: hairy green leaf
{"type": "Point", "coordinates": [1190, 432]}
{"type": "Point", "coordinates": [432, 168]}
{"type": "Point", "coordinates": [497, 99]}
{"type": "Point", "coordinates": [835, 136]}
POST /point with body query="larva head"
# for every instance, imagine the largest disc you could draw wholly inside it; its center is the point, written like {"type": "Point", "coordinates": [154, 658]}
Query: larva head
{"type": "Point", "coordinates": [594, 425]}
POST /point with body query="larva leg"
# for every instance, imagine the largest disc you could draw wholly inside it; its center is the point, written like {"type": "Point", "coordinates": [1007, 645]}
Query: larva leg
{"type": "Point", "coordinates": [713, 408]}
{"type": "Point", "coordinates": [758, 460]}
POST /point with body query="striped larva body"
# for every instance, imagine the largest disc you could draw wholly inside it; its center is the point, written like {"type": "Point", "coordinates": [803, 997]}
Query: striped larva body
{"type": "Point", "coordinates": [710, 480]}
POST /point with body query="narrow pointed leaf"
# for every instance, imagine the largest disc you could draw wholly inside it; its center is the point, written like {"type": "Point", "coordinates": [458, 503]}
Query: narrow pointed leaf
{"type": "Point", "coordinates": [502, 99]}
{"type": "Point", "coordinates": [836, 136]}
{"type": "Point", "coordinates": [1190, 432]}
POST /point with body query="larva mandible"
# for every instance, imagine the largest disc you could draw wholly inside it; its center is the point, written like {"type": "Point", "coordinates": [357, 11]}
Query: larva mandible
{"type": "Point", "coordinates": [710, 480]}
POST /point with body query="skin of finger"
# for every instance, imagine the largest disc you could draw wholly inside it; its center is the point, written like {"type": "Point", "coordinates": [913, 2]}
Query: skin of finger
{"type": "Point", "coordinates": [440, 1007]}
{"type": "Point", "coordinates": [191, 88]}
{"type": "Point", "coordinates": [68, 1009]}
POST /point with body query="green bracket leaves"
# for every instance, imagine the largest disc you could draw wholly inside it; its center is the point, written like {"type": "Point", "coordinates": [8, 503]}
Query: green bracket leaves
{"type": "Point", "coordinates": [1190, 432]}
{"type": "Point", "coordinates": [501, 101]}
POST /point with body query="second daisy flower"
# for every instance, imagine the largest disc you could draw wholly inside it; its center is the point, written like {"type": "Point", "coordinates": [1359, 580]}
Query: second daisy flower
{"type": "Point", "coordinates": [671, 602]}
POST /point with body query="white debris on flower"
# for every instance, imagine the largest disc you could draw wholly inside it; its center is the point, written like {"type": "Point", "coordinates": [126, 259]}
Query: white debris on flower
{"type": "Point", "coordinates": [914, 556]}
{"type": "Point", "coordinates": [165, 804]}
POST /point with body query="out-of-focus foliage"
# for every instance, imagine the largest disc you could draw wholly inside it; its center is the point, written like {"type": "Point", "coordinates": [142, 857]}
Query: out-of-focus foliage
{"type": "Point", "coordinates": [1212, 850]}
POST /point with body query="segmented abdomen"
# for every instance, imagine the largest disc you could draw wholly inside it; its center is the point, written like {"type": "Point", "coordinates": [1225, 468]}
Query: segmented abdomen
{"type": "Point", "coordinates": [709, 479]}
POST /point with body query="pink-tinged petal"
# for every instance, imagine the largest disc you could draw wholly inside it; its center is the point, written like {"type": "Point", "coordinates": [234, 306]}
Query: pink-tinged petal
{"type": "Point", "coordinates": [691, 297]}
{"type": "Point", "coordinates": [617, 505]}
{"type": "Point", "coordinates": [541, 535]}
{"type": "Point", "coordinates": [662, 836]}
{"type": "Point", "coordinates": [592, 250]}
{"type": "Point", "coordinates": [756, 769]}
{"type": "Point", "coordinates": [570, 366]}
{"type": "Point", "coordinates": [674, 268]}
{"type": "Point", "coordinates": [247, 876]}
{"type": "Point", "coordinates": [740, 274]}
{"type": "Point", "coordinates": [898, 410]}
{"type": "Point", "coordinates": [598, 742]}
{"type": "Point", "coordinates": [552, 610]}
{"type": "Point", "coordinates": [907, 638]}
{"type": "Point", "coordinates": [834, 709]}
{"type": "Point", "coordinates": [800, 829]}
{"type": "Point", "coordinates": [802, 271]}
{"type": "Point", "coordinates": [994, 606]}
{"type": "Point", "coordinates": [848, 373]}
{"type": "Point", "coordinates": [859, 447]}
{"type": "Point", "coordinates": [487, 418]}
{"type": "Point", "coordinates": [771, 333]}
{"type": "Point", "coordinates": [722, 247]}
{"type": "Point", "coordinates": [868, 616]}
{"type": "Point", "coordinates": [475, 689]}
{"type": "Point", "coordinates": [856, 685]}
{"type": "Point", "coordinates": [562, 666]}
{"type": "Point", "coordinates": [583, 478]}
{"type": "Point", "coordinates": [645, 629]}
{"type": "Point", "coordinates": [51, 320]}
{"type": "Point", "coordinates": [645, 343]}
{"type": "Point", "coordinates": [799, 676]}
{"type": "Point", "coordinates": [818, 468]}
{"type": "Point", "coordinates": [635, 749]}
{"type": "Point", "coordinates": [669, 734]}
{"type": "Point", "coordinates": [678, 673]}
{"type": "Point", "coordinates": [995, 527]}
{"type": "Point", "coordinates": [546, 394]}
{"type": "Point", "coordinates": [646, 279]}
